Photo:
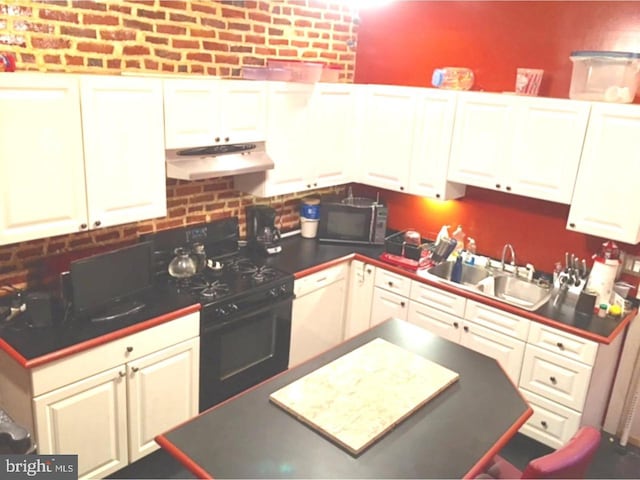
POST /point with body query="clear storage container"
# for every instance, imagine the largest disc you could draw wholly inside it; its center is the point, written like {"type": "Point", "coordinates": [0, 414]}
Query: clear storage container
{"type": "Point", "coordinates": [604, 76]}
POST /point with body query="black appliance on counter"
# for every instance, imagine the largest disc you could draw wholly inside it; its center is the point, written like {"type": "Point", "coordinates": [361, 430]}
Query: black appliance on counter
{"type": "Point", "coordinates": [245, 320]}
{"type": "Point", "coordinates": [110, 285]}
{"type": "Point", "coordinates": [262, 234]}
{"type": "Point", "coordinates": [352, 220]}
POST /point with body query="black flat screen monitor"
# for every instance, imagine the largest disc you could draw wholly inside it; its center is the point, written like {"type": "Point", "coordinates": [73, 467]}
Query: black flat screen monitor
{"type": "Point", "coordinates": [101, 282]}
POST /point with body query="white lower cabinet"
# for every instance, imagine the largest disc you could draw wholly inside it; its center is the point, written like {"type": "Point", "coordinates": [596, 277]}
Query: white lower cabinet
{"type": "Point", "coordinates": [551, 423]}
{"type": "Point", "coordinates": [508, 351]}
{"type": "Point", "coordinates": [455, 318]}
{"type": "Point", "coordinates": [318, 313]}
{"type": "Point", "coordinates": [87, 418]}
{"type": "Point", "coordinates": [390, 296]}
{"type": "Point", "coordinates": [107, 404]}
{"type": "Point", "coordinates": [359, 298]}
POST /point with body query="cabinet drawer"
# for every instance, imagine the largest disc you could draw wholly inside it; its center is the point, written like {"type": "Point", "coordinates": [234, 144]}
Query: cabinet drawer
{"type": "Point", "coordinates": [393, 282]}
{"type": "Point", "coordinates": [551, 423]}
{"type": "Point", "coordinates": [562, 343]}
{"type": "Point", "coordinates": [320, 279]}
{"type": "Point", "coordinates": [555, 377]}
{"type": "Point", "coordinates": [497, 320]}
{"type": "Point", "coordinates": [436, 298]}
{"type": "Point", "coordinates": [442, 324]}
{"type": "Point", "coordinates": [88, 362]}
{"type": "Point", "coordinates": [387, 305]}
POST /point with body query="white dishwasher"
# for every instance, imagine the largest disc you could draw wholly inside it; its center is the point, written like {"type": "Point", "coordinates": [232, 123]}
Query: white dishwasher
{"type": "Point", "coordinates": [318, 313]}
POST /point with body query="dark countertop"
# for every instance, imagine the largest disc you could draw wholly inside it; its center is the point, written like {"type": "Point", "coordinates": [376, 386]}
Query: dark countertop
{"type": "Point", "coordinates": [32, 343]}
{"type": "Point", "coordinates": [299, 256]}
{"type": "Point", "coordinates": [303, 256]}
{"type": "Point", "coordinates": [451, 436]}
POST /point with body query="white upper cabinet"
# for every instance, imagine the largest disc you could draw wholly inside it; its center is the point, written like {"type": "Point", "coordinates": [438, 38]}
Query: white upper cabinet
{"type": "Point", "coordinates": [298, 128]}
{"type": "Point", "coordinates": [387, 123]}
{"type": "Point", "coordinates": [79, 152]}
{"type": "Point", "coordinates": [606, 193]}
{"type": "Point", "coordinates": [481, 139]}
{"type": "Point", "coordinates": [432, 143]}
{"type": "Point", "coordinates": [523, 145]}
{"type": "Point", "coordinates": [333, 142]}
{"type": "Point", "coordinates": [546, 147]}
{"type": "Point", "coordinates": [205, 111]}
{"type": "Point", "coordinates": [42, 187]}
{"type": "Point", "coordinates": [123, 149]}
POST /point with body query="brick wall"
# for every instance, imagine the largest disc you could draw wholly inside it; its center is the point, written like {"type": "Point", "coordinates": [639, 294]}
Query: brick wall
{"type": "Point", "coordinates": [165, 36]}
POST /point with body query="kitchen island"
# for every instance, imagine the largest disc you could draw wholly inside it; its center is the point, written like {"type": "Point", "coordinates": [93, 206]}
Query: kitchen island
{"type": "Point", "coordinates": [452, 436]}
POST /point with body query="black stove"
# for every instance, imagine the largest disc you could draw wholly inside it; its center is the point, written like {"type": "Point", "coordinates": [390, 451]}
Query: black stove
{"type": "Point", "coordinates": [245, 320]}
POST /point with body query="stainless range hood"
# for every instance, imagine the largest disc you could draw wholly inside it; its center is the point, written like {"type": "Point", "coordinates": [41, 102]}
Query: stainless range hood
{"type": "Point", "coordinates": [217, 161]}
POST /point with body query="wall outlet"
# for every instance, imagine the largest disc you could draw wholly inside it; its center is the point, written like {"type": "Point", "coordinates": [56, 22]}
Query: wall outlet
{"type": "Point", "coordinates": [631, 265]}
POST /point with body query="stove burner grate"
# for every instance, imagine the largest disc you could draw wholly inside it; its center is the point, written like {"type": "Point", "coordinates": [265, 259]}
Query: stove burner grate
{"type": "Point", "coordinates": [209, 289]}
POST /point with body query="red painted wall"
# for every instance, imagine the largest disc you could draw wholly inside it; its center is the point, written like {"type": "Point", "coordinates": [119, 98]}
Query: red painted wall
{"type": "Point", "coordinates": [401, 43]}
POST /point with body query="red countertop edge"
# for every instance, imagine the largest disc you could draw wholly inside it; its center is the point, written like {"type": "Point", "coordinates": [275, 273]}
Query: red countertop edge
{"type": "Point", "coordinates": [622, 324]}
{"type": "Point", "coordinates": [478, 468]}
{"type": "Point", "coordinates": [94, 342]}
{"type": "Point", "coordinates": [179, 455]}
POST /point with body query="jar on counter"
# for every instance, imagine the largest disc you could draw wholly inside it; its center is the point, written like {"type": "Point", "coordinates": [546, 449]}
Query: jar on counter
{"type": "Point", "coordinates": [453, 78]}
{"type": "Point", "coordinates": [602, 310]}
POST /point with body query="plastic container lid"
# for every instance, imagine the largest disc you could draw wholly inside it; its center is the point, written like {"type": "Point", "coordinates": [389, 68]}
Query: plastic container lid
{"type": "Point", "coordinates": [604, 53]}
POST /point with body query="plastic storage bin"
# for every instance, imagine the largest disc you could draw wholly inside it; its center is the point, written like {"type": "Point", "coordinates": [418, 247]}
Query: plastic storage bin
{"type": "Point", "coordinates": [604, 76]}
{"type": "Point", "coordinates": [303, 72]}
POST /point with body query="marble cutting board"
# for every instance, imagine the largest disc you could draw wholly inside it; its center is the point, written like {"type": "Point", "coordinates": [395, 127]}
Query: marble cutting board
{"type": "Point", "coordinates": [360, 396]}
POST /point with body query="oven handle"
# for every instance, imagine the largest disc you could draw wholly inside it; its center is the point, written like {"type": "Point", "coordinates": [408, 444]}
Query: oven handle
{"type": "Point", "coordinates": [206, 329]}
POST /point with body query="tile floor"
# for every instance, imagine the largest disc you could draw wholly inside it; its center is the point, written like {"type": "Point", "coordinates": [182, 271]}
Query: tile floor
{"type": "Point", "coordinates": [611, 461]}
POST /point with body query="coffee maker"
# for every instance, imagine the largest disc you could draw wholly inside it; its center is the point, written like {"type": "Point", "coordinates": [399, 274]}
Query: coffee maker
{"type": "Point", "coordinates": [262, 234]}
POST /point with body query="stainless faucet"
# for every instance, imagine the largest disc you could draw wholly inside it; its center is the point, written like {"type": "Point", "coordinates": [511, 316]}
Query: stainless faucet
{"type": "Point", "coordinates": [504, 254]}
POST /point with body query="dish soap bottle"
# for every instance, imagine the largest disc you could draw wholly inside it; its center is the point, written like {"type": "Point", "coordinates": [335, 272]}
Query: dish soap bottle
{"type": "Point", "coordinates": [456, 272]}
{"type": "Point", "coordinates": [458, 236]}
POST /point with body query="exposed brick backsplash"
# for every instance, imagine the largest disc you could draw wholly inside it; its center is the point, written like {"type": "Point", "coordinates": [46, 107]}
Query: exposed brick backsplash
{"type": "Point", "coordinates": [166, 36]}
{"type": "Point", "coordinates": [37, 263]}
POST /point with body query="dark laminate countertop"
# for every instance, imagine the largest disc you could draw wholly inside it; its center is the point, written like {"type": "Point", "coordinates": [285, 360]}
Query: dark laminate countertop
{"type": "Point", "coordinates": [452, 436]}
{"type": "Point", "coordinates": [32, 346]}
{"type": "Point", "coordinates": [300, 256]}
{"type": "Point", "coordinates": [304, 256]}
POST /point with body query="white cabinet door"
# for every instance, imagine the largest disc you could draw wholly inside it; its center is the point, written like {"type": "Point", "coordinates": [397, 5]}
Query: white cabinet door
{"type": "Point", "coordinates": [287, 134]}
{"type": "Point", "coordinates": [508, 351]}
{"type": "Point", "coordinates": [317, 321]}
{"type": "Point", "coordinates": [123, 149]}
{"type": "Point", "coordinates": [546, 148]}
{"type": "Point", "coordinates": [360, 296]}
{"type": "Point", "coordinates": [87, 418]}
{"type": "Point", "coordinates": [162, 393]}
{"type": "Point", "coordinates": [332, 128]}
{"type": "Point", "coordinates": [432, 142]}
{"type": "Point", "coordinates": [386, 305]}
{"type": "Point", "coordinates": [386, 143]}
{"type": "Point", "coordinates": [606, 194]}
{"type": "Point", "coordinates": [42, 186]}
{"type": "Point", "coordinates": [189, 115]}
{"type": "Point", "coordinates": [481, 139]}
{"type": "Point", "coordinates": [242, 111]}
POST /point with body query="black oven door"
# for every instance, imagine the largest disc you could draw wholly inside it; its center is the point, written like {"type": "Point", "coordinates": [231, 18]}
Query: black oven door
{"type": "Point", "coordinates": [345, 223]}
{"type": "Point", "coordinates": [243, 351]}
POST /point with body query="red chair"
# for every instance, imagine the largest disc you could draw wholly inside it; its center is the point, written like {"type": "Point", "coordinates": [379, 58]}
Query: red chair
{"type": "Point", "coordinates": [569, 461]}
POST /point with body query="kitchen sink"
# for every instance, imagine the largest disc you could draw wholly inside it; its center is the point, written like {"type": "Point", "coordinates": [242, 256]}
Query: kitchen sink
{"type": "Point", "coordinates": [494, 284]}
{"type": "Point", "coordinates": [471, 274]}
{"type": "Point", "coordinates": [519, 292]}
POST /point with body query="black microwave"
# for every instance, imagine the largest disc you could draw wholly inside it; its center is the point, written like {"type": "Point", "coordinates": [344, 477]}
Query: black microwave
{"type": "Point", "coordinates": [362, 222]}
